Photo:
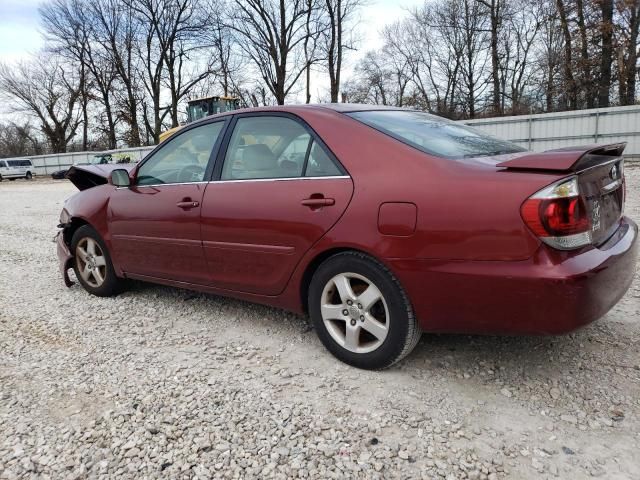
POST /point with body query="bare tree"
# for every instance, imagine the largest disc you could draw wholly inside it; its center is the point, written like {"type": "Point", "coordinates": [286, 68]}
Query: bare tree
{"type": "Point", "coordinates": [337, 37]}
{"type": "Point", "coordinates": [45, 89]}
{"type": "Point", "coordinates": [606, 57]}
{"type": "Point", "coordinates": [67, 30]}
{"type": "Point", "coordinates": [117, 32]}
{"type": "Point", "coordinates": [627, 20]}
{"type": "Point", "coordinates": [271, 34]}
{"type": "Point", "coordinates": [496, 16]}
{"type": "Point", "coordinates": [172, 29]}
{"type": "Point", "coordinates": [17, 140]}
{"type": "Point", "coordinates": [522, 22]}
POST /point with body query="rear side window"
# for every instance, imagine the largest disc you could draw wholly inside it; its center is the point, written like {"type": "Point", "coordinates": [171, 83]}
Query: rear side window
{"type": "Point", "coordinates": [435, 135]}
{"type": "Point", "coordinates": [265, 147]}
{"type": "Point", "coordinates": [319, 164]}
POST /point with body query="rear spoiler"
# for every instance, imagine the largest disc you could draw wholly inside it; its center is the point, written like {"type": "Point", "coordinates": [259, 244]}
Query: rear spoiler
{"type": "Point", "coordinates": [88, 176]}
{"type": "Point", "coordinates": [569, 159]}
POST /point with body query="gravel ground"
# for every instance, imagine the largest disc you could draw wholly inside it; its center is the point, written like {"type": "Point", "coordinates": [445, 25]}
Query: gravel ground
{"type": "Point", "coordinates": [162, 382]}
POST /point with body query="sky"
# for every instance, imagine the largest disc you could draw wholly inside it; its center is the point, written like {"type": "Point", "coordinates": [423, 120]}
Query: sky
{"type": "Point", "coordinates": [20, 35]}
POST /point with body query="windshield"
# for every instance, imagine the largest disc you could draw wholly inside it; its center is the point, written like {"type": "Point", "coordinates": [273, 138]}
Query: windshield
{"type": "Point", "coordinates": [435, 135]}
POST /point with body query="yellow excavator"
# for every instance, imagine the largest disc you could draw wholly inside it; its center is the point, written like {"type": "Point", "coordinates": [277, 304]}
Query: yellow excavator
{"type": "Point", "coordinates": [203, 107]}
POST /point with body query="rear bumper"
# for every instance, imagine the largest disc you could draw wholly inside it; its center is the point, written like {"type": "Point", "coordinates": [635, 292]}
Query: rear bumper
{"type": "Point", "coordinates": [551, 293]}
{"type": "Point", "coordinates": [64, 258]}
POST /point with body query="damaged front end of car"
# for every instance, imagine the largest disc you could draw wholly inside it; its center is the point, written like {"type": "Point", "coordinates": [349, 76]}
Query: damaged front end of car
{"type": "Point", "coordinates": [86, 207]}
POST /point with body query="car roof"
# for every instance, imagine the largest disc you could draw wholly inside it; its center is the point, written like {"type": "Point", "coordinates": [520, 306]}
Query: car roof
{"type": "Point", "coordinates": [293, 108]}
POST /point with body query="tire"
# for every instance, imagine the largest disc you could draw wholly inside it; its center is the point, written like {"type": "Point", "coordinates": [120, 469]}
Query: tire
{"type": "Point", "coordinates": [374, 334]}
{"type": "Point", "coordinates": [12, 179]}
{"type": "Point", "coordinates": [95, 272]}
{"type": "Point", "coordinates": [28, 176]}
{"type": "Point", "coordinates": [1, 178]}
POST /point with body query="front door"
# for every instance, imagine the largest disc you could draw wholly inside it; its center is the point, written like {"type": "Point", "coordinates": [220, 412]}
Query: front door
{"type": "Point", "coordinates": [155, 223]}
{"type": "Point", "coordinates": [277, 193]}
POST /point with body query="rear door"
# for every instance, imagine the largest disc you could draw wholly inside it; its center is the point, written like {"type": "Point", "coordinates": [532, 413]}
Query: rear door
{"type": "Point", "coordinates": [155, 223]}
{"type": "Point", "coordinates": [277, 190]}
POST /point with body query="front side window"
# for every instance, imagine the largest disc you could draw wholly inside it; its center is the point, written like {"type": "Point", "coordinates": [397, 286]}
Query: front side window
{"type": "Point", "coordinates": [183, 159]}
{"type": "Point", "coordinates": [435, 135]}
{"type": "Point", "coordinates": [274, 147]}
{"type": "Point", "coordinates": [2, 164]}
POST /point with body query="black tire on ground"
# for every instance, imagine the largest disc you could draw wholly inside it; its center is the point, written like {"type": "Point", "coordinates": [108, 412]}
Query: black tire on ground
{"type": "Point", "coordinates": [12, 179]}
{"type": "Point", "coordinates": [403, 332]}
{"type": "Point", "coordinates": [111, 284]}
{"type": "Point", "coordinates": [1, 178]}
{"type": "Point", "coordinates": [28, 176]}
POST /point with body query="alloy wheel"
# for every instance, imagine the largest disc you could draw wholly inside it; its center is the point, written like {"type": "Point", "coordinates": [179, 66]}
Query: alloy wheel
{"type": "Point", "coordinates": [355, 312]}
{"type": "Point", "coordinates": [92, 264]}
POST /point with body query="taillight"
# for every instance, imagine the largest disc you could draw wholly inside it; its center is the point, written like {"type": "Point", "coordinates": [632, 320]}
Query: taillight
{"type": "Point", "coordinates": [558, 216]}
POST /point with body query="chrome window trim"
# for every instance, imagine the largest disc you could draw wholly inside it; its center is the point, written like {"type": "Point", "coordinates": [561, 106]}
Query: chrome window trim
{"type": "Point", "coordinates": [279, 179]}
{"type": "Point", "coordinates": [242, 180]}
{"type": "Point", "coordinates": [165, 184]}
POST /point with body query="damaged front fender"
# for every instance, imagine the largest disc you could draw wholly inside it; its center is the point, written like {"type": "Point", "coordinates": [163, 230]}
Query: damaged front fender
{"type": "Point", "coordinates": [65, 258]}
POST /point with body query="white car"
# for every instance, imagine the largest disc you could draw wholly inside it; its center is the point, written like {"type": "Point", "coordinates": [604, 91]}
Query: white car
{"type": "Point", "coordinates": [16, 168]}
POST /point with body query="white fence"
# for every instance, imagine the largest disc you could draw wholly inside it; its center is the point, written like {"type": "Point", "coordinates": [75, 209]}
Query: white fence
{"type": "Point", "coordinates": [46, 164]}
{"type": "Point", "coordinates": [547, 131]}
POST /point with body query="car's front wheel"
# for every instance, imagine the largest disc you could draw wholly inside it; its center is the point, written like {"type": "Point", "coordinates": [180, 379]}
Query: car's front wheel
{"type": "Point", "coordinates": [28, 176]}
{"type": "Point", "coordinates": [92, 263]}
{"type": "Point", "coordinates": [360, 311]}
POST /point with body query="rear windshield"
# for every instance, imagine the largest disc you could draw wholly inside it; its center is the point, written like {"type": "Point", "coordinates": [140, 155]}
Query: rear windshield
{"type": "Point", "coordinates": [435, 135]}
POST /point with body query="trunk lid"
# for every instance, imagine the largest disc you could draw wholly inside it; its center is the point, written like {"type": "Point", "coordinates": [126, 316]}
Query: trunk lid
{"type": "Point", "coordinates": [569, 159]}
{"type": "Point", "coordinates": [599, 170]}
{"type": "Point", "coordinates": [602, 188]}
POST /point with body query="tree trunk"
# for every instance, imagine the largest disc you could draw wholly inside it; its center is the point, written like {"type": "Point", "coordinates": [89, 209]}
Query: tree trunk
{"type": "Point", "coordinates": [335, 87]}
{"type": "Point", "coordinates": [570, 82]}
{"type": "Point", "coordinates": [84, 103]}
{"type": "Point", "coordinates": [607, 53]}
{"type": "Point", "coordinates": [495, 58]}
{"type": "Point", "coordinates": [111, 134]}
{"type": "Point", "coordinates": [134, 129]}
{"type": "Point", "coordinates": [585, 62]}
{"type": "Point", "coordinates": [631, 67]}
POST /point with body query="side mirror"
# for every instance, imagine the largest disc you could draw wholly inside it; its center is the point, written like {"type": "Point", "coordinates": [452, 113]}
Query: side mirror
{"type": "Point", "coordinates": [120, 178]}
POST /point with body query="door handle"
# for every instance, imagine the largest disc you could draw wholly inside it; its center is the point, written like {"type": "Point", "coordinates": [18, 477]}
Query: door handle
{"type": "Point", "coordinates": [186, 204]}
{"type": "Point", "coordinates": [318, 202]}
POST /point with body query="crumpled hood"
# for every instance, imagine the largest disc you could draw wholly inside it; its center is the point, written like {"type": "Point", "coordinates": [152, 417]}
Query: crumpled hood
{"type": "Point", "coordinates": [88, 176]}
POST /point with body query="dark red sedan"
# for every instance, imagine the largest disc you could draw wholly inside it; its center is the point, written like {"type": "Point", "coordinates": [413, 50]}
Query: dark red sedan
{"type": "Point", "coordinates": [380, 223]}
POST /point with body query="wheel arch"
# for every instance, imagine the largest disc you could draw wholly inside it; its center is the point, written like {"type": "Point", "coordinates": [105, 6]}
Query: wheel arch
{"type": "Point", "coordinates": [72, 227]}
{"type": "Point", "coordinates": [313, 265]}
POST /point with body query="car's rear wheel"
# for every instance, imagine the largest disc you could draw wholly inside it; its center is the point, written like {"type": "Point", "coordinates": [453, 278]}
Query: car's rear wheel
{"type": "Point", "coordinates": [92, 263]}
{"type": "Point", "coordinates": [360, 311]}
{"type": "Point", "coordinates": [28, 176]}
